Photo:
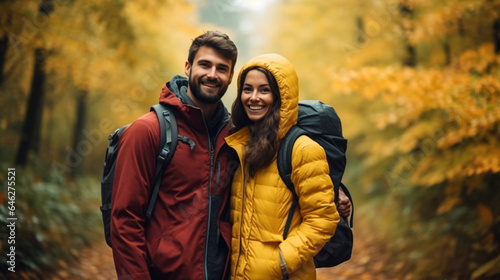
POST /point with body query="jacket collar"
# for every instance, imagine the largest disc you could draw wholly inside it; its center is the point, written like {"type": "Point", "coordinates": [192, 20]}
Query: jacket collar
{"type": "Point", "coordinates": [174, 93]}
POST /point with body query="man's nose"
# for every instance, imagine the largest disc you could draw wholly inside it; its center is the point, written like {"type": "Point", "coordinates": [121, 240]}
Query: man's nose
{"type": "Point", "coordinates": [212, 73]}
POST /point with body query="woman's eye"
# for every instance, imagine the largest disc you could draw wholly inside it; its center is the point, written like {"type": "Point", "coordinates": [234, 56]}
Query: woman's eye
{"type": "Point", "coordinates": [247, 89]}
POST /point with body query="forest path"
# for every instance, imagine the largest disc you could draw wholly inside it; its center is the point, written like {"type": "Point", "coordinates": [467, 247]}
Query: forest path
{"type": "Point", "coordinates": [367, 262]}
{"type": "Point", "coordinates": [96, 263]}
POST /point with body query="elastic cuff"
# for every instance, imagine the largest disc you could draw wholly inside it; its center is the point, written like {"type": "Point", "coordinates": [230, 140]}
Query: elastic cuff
{"type": "Point", "coordinates": [284, 268]}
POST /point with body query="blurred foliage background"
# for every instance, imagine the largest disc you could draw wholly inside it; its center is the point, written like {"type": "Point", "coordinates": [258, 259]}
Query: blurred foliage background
{"type": "Point", "coordinates": [416, 83]}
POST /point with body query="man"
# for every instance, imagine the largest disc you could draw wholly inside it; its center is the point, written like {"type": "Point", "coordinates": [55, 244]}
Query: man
{"type": "Point", "coordinates": [187, 236]}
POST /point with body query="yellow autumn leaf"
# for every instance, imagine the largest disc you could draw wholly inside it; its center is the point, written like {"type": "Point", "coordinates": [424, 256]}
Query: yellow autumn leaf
{"type": "Point", "coordinates": [489, 238]}
{"type": "Point", "coordinates": [448, 204]}
{"type": "Point", "coordinates": [485, 213]}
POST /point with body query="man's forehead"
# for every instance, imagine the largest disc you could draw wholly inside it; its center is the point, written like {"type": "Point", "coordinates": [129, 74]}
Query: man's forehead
{"type": "Point", "coordinates": [206, 53]}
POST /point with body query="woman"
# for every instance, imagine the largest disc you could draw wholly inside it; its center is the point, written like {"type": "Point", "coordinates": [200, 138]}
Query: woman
{"type": "Point", "coordinates": [264, 110]}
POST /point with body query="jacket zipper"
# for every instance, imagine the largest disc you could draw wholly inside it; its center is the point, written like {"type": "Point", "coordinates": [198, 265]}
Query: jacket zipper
{"type": "Point", "coordinates": [209, 207]}
{"type": "Point", "coordinates": [212, 156]}
{"type": "Point", "coordinates": [241, 222]}
{"type": "Point", "coordinates": [217, 183]}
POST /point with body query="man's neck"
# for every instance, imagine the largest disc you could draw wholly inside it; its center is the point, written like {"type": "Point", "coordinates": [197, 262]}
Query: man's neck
{"type": "Point", "coordinates": [208, 109]}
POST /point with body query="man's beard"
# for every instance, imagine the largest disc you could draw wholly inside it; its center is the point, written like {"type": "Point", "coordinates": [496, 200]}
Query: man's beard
{"type": "Point", "coordinates": [202, 97]}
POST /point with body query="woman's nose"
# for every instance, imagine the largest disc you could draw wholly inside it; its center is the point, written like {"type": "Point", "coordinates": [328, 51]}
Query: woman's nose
{"type": "Point", "coordinates": [254, 96]}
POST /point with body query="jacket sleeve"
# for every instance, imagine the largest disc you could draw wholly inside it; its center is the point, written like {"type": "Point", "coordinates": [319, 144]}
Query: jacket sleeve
{"type": "Point", "coordinates": [316, 202]}
{"type": "Point", "coordinates": [131, 187]}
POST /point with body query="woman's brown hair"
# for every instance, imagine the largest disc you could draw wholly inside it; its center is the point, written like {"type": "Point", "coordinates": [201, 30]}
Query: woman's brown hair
{"type": "Point", "coordinates": [264, 142]}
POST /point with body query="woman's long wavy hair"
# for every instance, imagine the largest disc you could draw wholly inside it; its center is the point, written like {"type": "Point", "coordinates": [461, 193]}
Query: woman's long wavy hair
{"type": "Point", "coordinates": [264, 143]}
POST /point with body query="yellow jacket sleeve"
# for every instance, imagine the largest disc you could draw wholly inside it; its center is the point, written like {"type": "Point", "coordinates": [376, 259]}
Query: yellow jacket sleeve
{"type": "Point", "coordinates": [316, 204]}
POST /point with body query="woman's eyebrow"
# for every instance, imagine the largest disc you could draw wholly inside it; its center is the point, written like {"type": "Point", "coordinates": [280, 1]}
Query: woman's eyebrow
{"type": "Point", "coordinates": [262, 85]}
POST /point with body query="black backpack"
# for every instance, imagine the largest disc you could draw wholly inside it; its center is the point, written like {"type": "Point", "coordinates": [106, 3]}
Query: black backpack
{"type": "Point", "coordinates": [321, 123]}
{"type": "Point", "coordinates": [168, 144]}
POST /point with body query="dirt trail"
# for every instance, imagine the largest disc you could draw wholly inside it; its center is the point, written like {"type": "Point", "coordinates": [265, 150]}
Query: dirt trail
{"type": "Point", "coordinates": [96, 263]}
{"type": "Point", "coordinates": [367, 262]}
{"type": "Point", "coordinates": [369, 259]}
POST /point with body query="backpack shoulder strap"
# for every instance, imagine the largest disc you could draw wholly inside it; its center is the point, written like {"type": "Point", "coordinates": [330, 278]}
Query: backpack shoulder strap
{"type": "Point", "coordinates": [285, 155]}
{"type": "Point", "coordinates": [285, 169]}
{"type": "Point", "coordinates": [111, 154]}
{"type": "Point", "coordinates": [168, 144]}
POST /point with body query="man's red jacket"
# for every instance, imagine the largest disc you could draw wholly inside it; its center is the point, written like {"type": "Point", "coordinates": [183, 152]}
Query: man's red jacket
{"type": "Point", "coordinates": [172, 245]}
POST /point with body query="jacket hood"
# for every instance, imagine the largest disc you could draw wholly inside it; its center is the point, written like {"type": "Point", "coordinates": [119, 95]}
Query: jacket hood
{"type": "Point", "coordinates": [288, 83]}
{"type": "Point", "coordinates": [175, 92]}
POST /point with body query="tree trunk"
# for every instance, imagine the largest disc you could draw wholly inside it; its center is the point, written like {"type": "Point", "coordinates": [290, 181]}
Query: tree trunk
{"type": "Point", "coordinates": [411, 56]}
{"type": "Point", "coordinates": [360, 29]}
{"type": "Point", "coordinates": [49, 148]}
{"type": "Point", "coordinates": [406, 9]}
{"type": "Point", "coordinates": [447, 52]}
{"type": "Point", "coordinates": [78, 137]}
{"type": "Point", "coordinates": [30, 135]}
{"type": "Point", "coordinates": [38, 88]}
{"type": "Point", "coordinates": [4, 43]}
{"type": "Point", "coordinates": [496, 35]}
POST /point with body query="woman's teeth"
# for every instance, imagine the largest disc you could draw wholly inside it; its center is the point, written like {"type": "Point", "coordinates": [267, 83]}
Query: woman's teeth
{"type": "Point", "coordinates": [256, 107]}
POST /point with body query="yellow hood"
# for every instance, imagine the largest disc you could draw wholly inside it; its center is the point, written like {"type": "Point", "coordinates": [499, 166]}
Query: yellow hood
{"type": "Point", "coordinates": [288, 83]}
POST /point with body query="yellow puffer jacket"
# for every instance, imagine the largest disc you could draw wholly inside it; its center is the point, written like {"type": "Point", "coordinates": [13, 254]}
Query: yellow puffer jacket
{"type": "Point", "coordinates": [260, 207]}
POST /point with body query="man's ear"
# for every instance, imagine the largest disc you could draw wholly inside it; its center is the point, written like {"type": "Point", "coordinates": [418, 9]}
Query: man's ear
{"type": "Point", "coordinates": [187, 68]}
{"type": "Point", "coordinates": [230, 78]}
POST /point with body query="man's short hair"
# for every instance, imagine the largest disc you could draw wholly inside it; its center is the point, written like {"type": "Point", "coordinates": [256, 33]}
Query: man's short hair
{"type": "Point", "coordinates": [218, 41]}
